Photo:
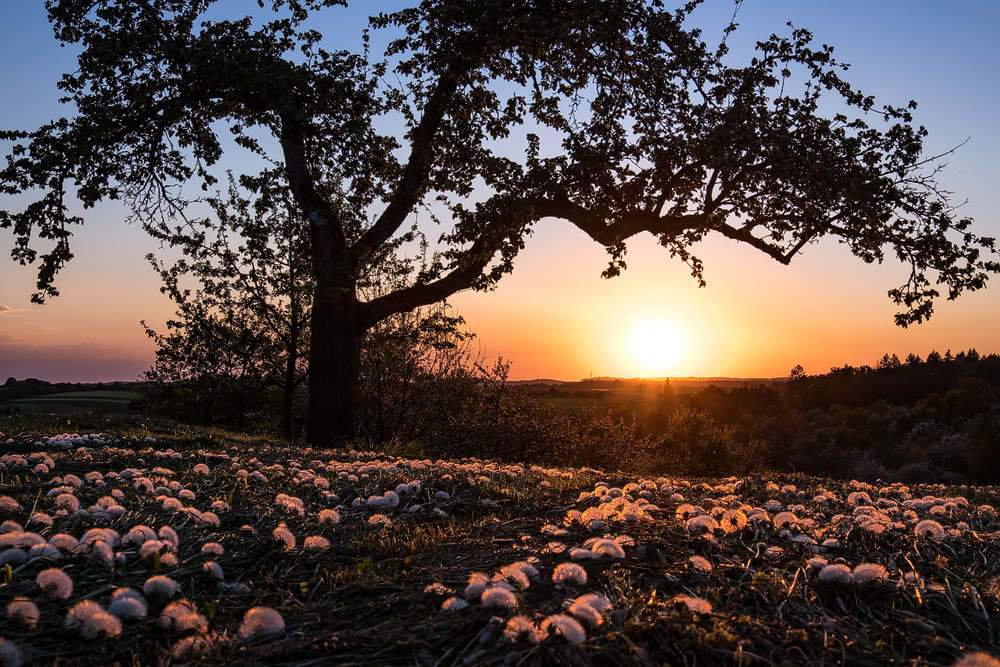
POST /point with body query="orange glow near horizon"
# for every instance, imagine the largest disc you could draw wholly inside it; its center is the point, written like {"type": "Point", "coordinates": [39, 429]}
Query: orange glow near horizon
{"type": "Point", "coordinates": [656, 346]}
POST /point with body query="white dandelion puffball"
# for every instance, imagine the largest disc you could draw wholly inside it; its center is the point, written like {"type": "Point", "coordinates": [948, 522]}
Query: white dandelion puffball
{"type": "Point", "coordinates": [329, 516]}
{"type": "Point", "coordinates": [929, 529]}
{"type": "Point", "coordinates": [169, 535]}
{"type": "Point", "coordinates": [695, 604]}
{"type": "Point", "coordinates": [261, 622]}
{"type": "Point", "coordinates": [283, 535]}
{"type": "Point", "coordinates": [212, 549]}
{"type": "Point", "coordinates": [608, 548]}
{"type": "Point", "coordinates": [8, 504]}
{"type": "Point", "coordinates": [497, 596]}
{"type": "Point", "coordinates": [160, 586]}
{"type": "Point", "coordinates": [10, 654]}
{"type": "Point", "coordinates": [182, 616]}
{"type": "Point", "coordinates": [565, 625]}
{"type": "Point", "coordinates": [478, 581]}
{"type": "Point", "coordinates": [595, 600]}
{"type": "Point", "coordinates": [520, 628]}
{"type": "Point", "coordinates": [55, 583]}
{"type": "Point", "coordinates": [977, 659]}
{"type": "Point", "coordinates": [569, 573]}
{"type": "Point", "coordinates": [101, 624]}
{"type": "Point", "coordinates": [868, 573]}
{"type": "Point", "coordinates": [700, 563]}
{"type": "Point", "coordinates": [127, 605]}
{"type": "Point", "coordinates": [586, 614]}
{"type": "Point", "coordinates": [454, 604]}
{"type": "Point", "coordinates": [316, 542]}
{"type": "Point", "coordinates": [24, 612]}
{"type": "Point", "coordinates": [81, 612]}
{"type": "Point", "coordinates": [837, 572]}
{"type": "Point", "coordinates": [703, 523]}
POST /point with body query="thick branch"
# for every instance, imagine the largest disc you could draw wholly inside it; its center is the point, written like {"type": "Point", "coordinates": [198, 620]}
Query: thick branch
{"type": "Point", "coordinates": [470, 268]}
{"type": "Point", "coordinates": [300, 181]}
{"type": "Point", "coordinates": [417, 168]}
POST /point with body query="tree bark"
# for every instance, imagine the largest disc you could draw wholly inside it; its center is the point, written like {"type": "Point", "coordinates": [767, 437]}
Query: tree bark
{"type": "Point", "coordinates": [334, 368]}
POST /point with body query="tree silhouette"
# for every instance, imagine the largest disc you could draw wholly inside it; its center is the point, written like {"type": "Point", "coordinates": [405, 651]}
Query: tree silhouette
{"type": "Point", "coordinates": [246, 322]}
{"type": "Point", "coordinates": [492, 115]}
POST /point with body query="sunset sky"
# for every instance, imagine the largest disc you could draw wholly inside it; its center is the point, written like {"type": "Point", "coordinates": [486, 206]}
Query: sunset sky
{"type": "Point", "coordinates": [555, 317]}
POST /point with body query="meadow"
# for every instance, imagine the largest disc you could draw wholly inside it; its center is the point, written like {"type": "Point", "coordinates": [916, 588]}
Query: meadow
{"type": "Point", "coordinates": [169, 545]}
{"type": "Point", "coordinates": [111, 401]}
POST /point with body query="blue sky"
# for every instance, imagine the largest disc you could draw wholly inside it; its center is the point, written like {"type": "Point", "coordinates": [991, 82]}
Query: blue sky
{"type": "Point", "coordinates": [755, 318]}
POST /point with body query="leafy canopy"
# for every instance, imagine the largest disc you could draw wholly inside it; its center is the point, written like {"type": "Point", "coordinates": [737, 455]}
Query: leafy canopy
{"type": "Point", "coordinates": [613, 115]}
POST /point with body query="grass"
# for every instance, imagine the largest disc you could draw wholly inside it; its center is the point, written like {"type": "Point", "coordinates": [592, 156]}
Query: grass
{"type": "Point", "coordinates": [68, 402]}
{"type": "Point", "coordinates": [374, 596]}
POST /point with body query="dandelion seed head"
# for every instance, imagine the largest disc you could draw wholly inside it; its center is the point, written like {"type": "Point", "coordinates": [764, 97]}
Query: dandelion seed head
{"type": "Point", "coordinates": [608, 548]}
{"type": "Point", "coordinates": [169, 535]}
{"type": "Point", "coordinates": [569, 573]}
{"type": "Point", "coordinates": [329, 516]}
{"type": "Point", "coordinates": [261, 622]}
{"type": "Point", "coordinates": [695, 604]}
{"type": "Point", "coordinates": [837, 572]}
{"type": "Point", "coordinates": [213, 569]}
{"type": "Point", "coordinates": [700, 564]}
{"type": "Point", "coordinates": [10, 654]}
{"type": "Point", "coordinates": [55, 583]}
{"type": "Point", "coordinates": [212, 549]}
{"type": "Point", "coordinates": [284, 536]}
{"type": "Point", "coordinates": [977, 659]}
{"type": "Point", "coordinates": [139, 534]}
{"type": "Point", "coordinates": [868, 573]}
{"type": "Point", "coordinates": [478, 581]}
{"type": "Point", "coordinates": [101, 624]}
{"type": "Point", "coordinates": [316, 542]}
{"type": "Point", "coordinates": [160, 586]}
{"type": "Point", "coordinates": [23, 611]}
{"type": "Point", "coordinates": [498, 596]}
{"type": "Point", "coordinates": [127, 605]}
{"type": "Point", "coordinates": [182, 616]}
{"type": "Point", "coordinates": [454, 604]}
{"type": "Point", "coordinates": [586, 614]}
{"type": "Point", "coordinates": [703, 523]}
{"type": "Point", "coordinates": [930, 529]}
{"type": "Point", "coordinates": [13, 556]}
{"type": "Point", "coordinates": [80, 612]}
{"type": "Point", "coordinates": [565, 626]}
{"type": "Point", "coordinates": [44, 551]}
{"type": "Point", "coordinates": [521, 629]}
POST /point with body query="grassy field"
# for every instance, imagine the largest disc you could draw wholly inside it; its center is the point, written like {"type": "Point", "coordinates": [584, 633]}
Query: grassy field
{"type": "Point", "coordinates": [365, 558]}
{"type": "Point", "coordinates": [635, 395]}
{"type": "Point", "coordinates": [110, 402]}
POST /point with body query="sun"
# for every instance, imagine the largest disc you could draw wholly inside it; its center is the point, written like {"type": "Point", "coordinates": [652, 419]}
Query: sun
{"type": "Point", "coordinates": [656, 346]}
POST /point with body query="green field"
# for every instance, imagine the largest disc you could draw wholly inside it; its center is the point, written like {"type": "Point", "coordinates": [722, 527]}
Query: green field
{"type": "Point", "coordinates": [631, 394]}
{"type": "Point", "coordinates": [108, 401]}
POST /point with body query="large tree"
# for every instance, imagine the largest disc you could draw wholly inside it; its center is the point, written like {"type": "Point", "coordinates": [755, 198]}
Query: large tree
{"type": "Point", "coordinates": [613, 115]}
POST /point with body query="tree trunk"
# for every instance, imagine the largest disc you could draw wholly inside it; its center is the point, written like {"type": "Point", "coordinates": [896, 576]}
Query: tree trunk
{"type": "Point", "coordinates": [334, 365]}
{"type": "Point", "coordinates": [291, 362]}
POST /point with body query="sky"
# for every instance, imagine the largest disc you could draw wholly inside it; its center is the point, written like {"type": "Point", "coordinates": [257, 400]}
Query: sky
{"type": "Point", "coordinates": [555, 317]}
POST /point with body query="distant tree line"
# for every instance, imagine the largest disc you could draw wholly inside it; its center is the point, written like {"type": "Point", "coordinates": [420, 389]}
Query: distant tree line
{"type": "Point", "coordinates": [13, 388]}
{"type": "Point", "coordinates": [423, 386]}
